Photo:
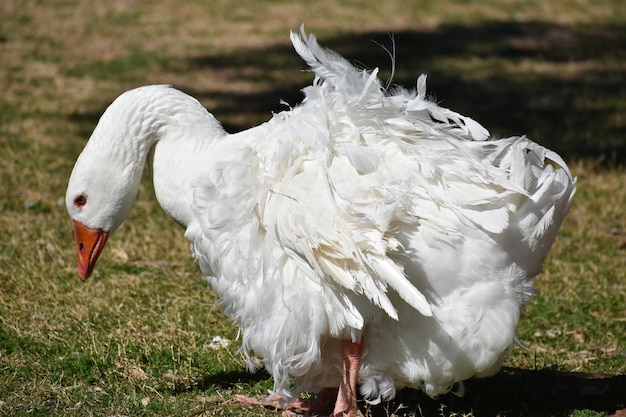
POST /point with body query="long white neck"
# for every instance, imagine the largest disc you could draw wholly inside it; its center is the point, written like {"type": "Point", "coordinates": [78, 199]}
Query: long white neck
{"type": "Point", "coordinates": [182, 154]}
{"type": "Point", "coordinates": [186, 131]}
{"type": "Point", "coordinates": [174, 124]}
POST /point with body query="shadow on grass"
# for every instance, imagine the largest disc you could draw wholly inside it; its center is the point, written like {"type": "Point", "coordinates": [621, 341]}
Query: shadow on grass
{"type": "Point", "coordinates": [512, 393]}
{"type": "Point", "coordinates": [572, 98]}
{"type": "Point", "coordinates": [519, 392]}
{"type": "Point", "coordinates": [225, 381]}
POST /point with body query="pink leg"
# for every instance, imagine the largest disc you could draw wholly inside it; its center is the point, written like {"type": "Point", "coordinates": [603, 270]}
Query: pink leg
{"type": "Point", "coordinates": [298, 407]}
{"type": "Point", "coordinates": [346, 398]}
{"type": "Point", "coordinates": [345, 405]}
{"type": "Point", "coordinates": [272, 403]}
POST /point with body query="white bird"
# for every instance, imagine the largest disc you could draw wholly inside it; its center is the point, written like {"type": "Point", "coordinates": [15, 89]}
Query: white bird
{"type": "Point", "coordinates": [366, 236]}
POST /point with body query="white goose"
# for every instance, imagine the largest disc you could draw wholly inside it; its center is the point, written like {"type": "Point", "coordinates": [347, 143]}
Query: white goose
{"type": "Point", "coordinates": [365, 236]}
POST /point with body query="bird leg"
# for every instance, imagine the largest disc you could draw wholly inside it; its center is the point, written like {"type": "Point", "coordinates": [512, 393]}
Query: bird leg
{"type": "Point", "coordinates": [346, 398]}
{"type": "Point", "coordinates": [345, 403]}
{"type": "Point", "coordinates": [318, 406]}
{"type": "Point", "coordinates": [273, 403]}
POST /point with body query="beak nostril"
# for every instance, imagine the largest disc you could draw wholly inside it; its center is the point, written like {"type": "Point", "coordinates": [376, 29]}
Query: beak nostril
{"type": "Point", "coordinates": [81, 245]}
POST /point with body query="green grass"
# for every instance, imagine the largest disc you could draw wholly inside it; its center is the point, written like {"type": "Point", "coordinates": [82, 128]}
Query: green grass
{"type": "Point", "coordinates": [135, 339]}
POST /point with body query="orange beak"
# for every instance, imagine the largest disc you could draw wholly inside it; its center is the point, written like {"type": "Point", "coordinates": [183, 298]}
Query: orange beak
{"type": "Point", "coordinates": [89, 244]}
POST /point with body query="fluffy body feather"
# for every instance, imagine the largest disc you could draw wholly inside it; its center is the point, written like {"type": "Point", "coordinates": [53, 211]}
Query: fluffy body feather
{"type": "Point", "coordinates": [359, 213]}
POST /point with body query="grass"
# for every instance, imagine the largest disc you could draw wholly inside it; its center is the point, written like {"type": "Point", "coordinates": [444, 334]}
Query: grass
{"type": "Point", "coordinates": [135, 340]}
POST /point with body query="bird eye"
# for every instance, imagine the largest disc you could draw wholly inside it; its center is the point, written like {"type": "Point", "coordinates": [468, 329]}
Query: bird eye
{"type": "Point", "coordinates": [80, 200]}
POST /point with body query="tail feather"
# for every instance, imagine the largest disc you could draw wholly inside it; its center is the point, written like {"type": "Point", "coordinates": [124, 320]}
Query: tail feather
{"type": "Point", "coordinates": [334, 69]}
{"type": "Point", "coordinates": [337, 73]}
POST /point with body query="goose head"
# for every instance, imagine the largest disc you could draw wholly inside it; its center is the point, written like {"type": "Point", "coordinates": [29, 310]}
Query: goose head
{"type": "Point", "coordinates": [98, 200]}
{"type": "Point", "coordinates": [106, 176]}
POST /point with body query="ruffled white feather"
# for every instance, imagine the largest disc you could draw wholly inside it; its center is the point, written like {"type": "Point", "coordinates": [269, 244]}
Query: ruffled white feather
{"type": "Point", "coordinates": [383, 215]}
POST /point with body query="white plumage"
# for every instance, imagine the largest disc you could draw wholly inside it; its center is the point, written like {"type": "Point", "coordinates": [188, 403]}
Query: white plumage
{"type": "Point", "coordinates": [360, 215]}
